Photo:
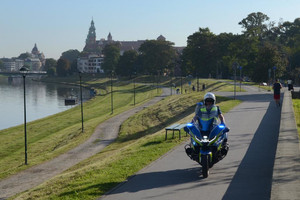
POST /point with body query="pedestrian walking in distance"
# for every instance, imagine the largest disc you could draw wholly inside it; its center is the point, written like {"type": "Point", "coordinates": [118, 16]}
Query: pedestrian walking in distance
{"type": "Point", "coordinates": [276, 88]}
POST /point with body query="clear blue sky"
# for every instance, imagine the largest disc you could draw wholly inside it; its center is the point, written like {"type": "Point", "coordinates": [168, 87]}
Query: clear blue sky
{"type": "Point", "coordinates": [59, 25]}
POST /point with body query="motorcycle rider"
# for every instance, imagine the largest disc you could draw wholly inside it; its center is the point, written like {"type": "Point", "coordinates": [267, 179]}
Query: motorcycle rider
{"type": "Point", "coordinates": [208, 138]}
{"type": "Point", "coordinates": [209, 110]}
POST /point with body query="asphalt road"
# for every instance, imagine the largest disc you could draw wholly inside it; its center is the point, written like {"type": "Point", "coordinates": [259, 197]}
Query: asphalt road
{"type": "Point", "coordinates": [245, 173]}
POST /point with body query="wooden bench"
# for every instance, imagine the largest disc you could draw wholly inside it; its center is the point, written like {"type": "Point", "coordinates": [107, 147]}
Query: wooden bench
{"type": "Point", "coordinates": [175, 127]}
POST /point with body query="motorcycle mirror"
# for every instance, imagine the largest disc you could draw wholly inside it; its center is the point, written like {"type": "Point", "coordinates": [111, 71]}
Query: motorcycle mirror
{"type": "Point", "coordinates": [226, 129]}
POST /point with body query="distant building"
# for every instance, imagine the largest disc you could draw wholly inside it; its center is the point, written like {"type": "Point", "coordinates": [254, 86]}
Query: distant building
{"type": "Point", "coordinates": [36, 54]}
{"type": "Point", "coordinates": [35, 61]}
{"type": "Point", "coordinates": [34, 64]}
{"type": "Point", "coordinates": [9, 64]}
{"type": "Point", "coordinates": [94, 48]}
{"type": "Point", "coordinates": [90, 64]}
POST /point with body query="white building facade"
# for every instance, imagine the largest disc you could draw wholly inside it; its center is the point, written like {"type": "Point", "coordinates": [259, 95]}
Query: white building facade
{"type": "Point", "coordinates": [90, 64]}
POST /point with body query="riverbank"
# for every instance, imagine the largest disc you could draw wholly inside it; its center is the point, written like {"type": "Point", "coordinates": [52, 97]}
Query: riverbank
{"type": "Point", "coordinates": [56, 134]}
{"type": "Point", "coordinates": [42, 100]}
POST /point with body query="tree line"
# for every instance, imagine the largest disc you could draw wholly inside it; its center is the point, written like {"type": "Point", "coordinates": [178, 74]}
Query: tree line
{"type": "Point", "coordinates": [262, 51]}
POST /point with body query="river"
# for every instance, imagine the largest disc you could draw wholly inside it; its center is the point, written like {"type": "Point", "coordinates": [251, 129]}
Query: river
{"type": "Point", "coordinates": [42, 99]}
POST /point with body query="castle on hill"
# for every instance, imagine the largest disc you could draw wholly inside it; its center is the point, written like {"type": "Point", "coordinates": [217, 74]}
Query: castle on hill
{"type": "Point", "coordinates": [93, 45]}
{"type": "Point", "coordinates": [91, 62]}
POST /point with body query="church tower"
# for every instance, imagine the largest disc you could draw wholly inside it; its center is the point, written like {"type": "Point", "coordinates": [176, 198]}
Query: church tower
{"type": "Point", "coordinates": [35, 50]}
{"type": "Point", "coordinates": [109, 37]}
{"type": "Point", "coordinates": [90, 42]}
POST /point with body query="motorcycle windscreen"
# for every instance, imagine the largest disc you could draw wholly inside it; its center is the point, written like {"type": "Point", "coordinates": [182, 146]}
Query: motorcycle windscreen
{"type": "Point", "coordinates": [206, 125]}
{"type": "Point", "coordinates": [194, 130]}
{"type": "Point", "coordinates": [215, 131]}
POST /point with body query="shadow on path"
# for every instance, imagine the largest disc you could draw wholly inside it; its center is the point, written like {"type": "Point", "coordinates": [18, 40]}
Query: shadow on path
{"type": "Point", "coordinates": [253, 179]}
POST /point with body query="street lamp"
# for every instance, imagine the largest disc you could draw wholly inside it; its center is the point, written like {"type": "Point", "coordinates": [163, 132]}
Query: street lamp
{"type": "Point", "coordinates": [111, 92]}
{"type": "Point", "coordinates": [134, 88]}
{"type": "Point", "coordinates": [24, 71]}
{"type": "Point", "coordinates": [274, 69]}
{"type": "Point", "coordinates": [181, 84]}
{"type": "Point", "coordinates": [198, 88]}
{"type": "Point", "coordinates": [80, 75]}
{"type": "Point", "coordinates": [234, 66]}
{"type": "Point", "coordinates": [157, 83]}
{"type": "Point", "coordinates": [171, 85]}
{"type": "Point", "coordinates": [241, 78]}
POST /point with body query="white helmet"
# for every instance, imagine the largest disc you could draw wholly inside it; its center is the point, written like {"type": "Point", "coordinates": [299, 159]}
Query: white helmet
{"type": "Point", "coordinates": [210, 96]}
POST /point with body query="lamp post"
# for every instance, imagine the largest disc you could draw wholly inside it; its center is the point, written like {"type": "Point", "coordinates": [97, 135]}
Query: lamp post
{"type": "Point", "coordinates": [240, 78]}
{"type": "Point", "coordinates": [157, 83]}
{"type": "Point", "coordinates": [111, 92]}
{"type": "Point", "coordinates": [198, 88]}
{"type": "Point", "coordinates": [24, 71]}
{"type": "Point", "coordinates": [181, 84]}
{"type": "Point", "coordinates": [234, 66]}
{"type": "Point", "coordinates": [274, 69]}
{"type": "Point", "coordinates": [134, 88]}
{"type": "Point", "coordinates": [80, 75]}
{"type": "Point", "coordinates": [171, 85]}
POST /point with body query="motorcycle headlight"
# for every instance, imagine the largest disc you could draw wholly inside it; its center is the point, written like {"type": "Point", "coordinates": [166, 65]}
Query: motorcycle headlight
{"type": "Point", "coordinates": [221, 126]}
{"type": "Point", "coordinates": [189, 124]}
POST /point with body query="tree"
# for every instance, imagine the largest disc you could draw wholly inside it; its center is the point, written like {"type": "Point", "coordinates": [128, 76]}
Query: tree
{"type": "Point", "coordinates": [50, 63]}
{"type": "Point", "coordinates": [111, 57]}
{"type": "Point", "coordinates": [242, 50]}
{"type": "Point", "coordinates": [200, 54]}
{"type": "Point", "coordinates": [63, 67]}
{"type": "Point", "coordinates": [127, 63]}
{"type": "Point", "coordinates": [156, 56]}
{"type": "Point", "coordinates": [24, 56]}
{"type": "Point", "coordinates": [51, 71]}
{"type": "Point", "coordinates": [269, 56]}
{"type": "Point", "coordinates": [71, 55]}
{"type": "Point", "coordinates": [50, 66]}
{"type": "Point", "coordinates": [255, 25]}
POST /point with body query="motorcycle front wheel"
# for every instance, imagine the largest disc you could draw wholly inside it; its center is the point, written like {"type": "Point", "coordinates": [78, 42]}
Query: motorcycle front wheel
{"type": "Point", "coordinates": [205, 167]}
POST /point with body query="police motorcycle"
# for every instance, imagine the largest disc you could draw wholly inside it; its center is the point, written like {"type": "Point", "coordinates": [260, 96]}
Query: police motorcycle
{"type": "Point", "coordinates": [208, 143]}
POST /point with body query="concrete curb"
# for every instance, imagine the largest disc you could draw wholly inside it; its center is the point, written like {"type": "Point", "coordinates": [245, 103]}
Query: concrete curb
{"type": "Point", "coordinates": [286, 172]}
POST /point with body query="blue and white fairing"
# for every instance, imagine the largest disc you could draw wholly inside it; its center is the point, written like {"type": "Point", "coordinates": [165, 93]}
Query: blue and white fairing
{"type": "Point", "coordinates": [201, 134]}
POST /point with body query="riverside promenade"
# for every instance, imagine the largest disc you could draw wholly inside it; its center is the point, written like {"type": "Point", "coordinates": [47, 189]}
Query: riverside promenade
{"type": "Point", "coordinates": [174, 173]}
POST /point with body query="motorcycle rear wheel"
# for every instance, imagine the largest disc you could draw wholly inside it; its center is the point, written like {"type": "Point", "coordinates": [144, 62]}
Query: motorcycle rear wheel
{"type": "Point", "coordinates": [205, 166]}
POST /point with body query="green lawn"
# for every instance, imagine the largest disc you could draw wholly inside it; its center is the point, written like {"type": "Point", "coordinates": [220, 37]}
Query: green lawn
{"type": "Point", "coordinates": [296, 106]}
{"type": "Point", "coordinates": [140, 142]}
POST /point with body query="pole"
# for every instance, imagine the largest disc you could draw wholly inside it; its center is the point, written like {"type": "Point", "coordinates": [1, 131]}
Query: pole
{"type": "Point", "coordinates": [181, 85]}
{"type": "Point", "coordinates": [240, 78]}
{"type": "Point", "coordinates": [198, 89]}
{"type": "Point", "coordinates": [81, 102]}
{"type": "Point", "coordinates": [157, 83]}
{"type": "Point", "coordinates": [134, 91]}
{"type": "Point", "coordinates": [25, 128]}
{"type": "Point", "coordinates": [111, 96]}
{"type": "Point", "coordinates": [171, 85]}
{"type": "Point", "coordinates": [234, 68]}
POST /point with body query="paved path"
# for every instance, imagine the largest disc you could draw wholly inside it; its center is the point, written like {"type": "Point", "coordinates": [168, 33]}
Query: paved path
{"type": "Point", "coordinates": [246, 172]}
{"type": "Point", "coordinates": [104, 134]}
